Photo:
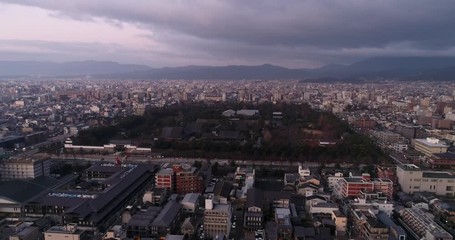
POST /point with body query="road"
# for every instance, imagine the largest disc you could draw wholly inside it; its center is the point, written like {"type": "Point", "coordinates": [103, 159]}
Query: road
{"type": "Point", "coordinates": [139, 159]}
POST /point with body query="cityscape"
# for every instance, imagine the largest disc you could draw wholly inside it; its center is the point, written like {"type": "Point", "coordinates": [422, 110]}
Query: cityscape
{"type": "Point", "coordinates": [227, 123]}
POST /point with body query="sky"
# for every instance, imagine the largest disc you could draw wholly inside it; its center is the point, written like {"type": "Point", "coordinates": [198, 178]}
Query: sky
{"type": "Point", "coordinates": [290, 33]}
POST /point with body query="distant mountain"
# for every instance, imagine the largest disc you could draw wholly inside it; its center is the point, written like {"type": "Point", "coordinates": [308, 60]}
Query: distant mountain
{"type": "Point", "coordinates": [14, 68]}
{"type": "Point", "coordinates": [404, 68]}
{"type": "Point", "coordinates": [265, 71]}
{"type": "Point", "coordinates": [400, 68]}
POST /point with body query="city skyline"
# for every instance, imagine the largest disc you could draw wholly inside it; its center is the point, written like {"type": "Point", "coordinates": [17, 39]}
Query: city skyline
{"type": "Point", "coordinates": [172, 33]}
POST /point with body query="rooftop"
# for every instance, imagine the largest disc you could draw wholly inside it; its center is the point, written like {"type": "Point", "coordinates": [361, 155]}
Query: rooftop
{"type": "Point", "coordinates": [437, 175]}
{"type": "Point", "coordinates": [191, 197]}
{"type": "Point", "coordinates": [430, 142]}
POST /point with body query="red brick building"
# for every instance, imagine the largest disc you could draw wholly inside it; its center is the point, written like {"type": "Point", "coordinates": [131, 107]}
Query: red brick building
{"type": "Point", "coordinates": [188, 179]}
{"type": "Point", "coordinates": [184, 178]}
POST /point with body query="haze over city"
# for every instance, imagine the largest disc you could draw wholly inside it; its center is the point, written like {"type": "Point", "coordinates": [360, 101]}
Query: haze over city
{"type": "Point", "coordinates": [295, 34]}
{"type": "Point", "coordinates": [227, 120]}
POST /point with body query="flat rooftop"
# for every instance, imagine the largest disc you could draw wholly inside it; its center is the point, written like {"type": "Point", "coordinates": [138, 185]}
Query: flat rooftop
{"type": "Point", "coordinates": [430, 143]}
{"type": "Point", "coordinates": [437, 175]}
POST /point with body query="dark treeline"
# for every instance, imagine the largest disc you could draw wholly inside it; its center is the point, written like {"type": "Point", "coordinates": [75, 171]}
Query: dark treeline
{"type": "Point", "coordinates": [294, 137]}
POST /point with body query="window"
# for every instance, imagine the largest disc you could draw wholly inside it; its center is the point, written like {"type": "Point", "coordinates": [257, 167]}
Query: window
{"type": "Point", "coordinates": [449, 188]}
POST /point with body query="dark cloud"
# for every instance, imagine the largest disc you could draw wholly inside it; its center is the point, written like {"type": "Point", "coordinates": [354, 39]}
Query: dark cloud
{"type": "Point", "coordinates": [294, 32]}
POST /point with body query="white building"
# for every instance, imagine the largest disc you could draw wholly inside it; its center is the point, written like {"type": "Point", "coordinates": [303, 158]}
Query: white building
{"type": "Point", "coordinates": [69, 231]}
{"type": "Point", "coordinates": [304, 172]}
{"type": "Point", "coordinates": [413, 179]}
{"type": "Point", "coordinates": [333, 180]}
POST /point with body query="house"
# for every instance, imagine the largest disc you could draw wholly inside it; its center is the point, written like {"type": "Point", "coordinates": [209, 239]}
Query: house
{"type": "Point", "coordinates": [307, 189]}
{"type": "Point", "coordinates": [188, 227]}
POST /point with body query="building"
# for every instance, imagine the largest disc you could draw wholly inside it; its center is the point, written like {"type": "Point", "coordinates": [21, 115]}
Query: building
{"type": "Point", "coordinates": [429, 146]}
{"type": "Point", "coordinates": [333, 180]}
{"type": "Point", "coordinates": [254, 212]}
{"type": "Point", "coordinates": [283, 223]}
{"type": "Point", "coordinates": [387, 172]}
{"type": "Point", "coordinates": [23, 231]}
{"type": "Point", "coordinates": [423, 225]}
{"type": "Point", "coordinates": [242, 174]}
{"type": "Point", "coordinates": [188, 227]}
{"type": "Point", "coordinates": [368, 226]}
{"type": "Point", "coordinates": [184, 178]}
{"type": "Point", "coordinates": [70, 231]}
{"type": "Point", "coordinates": [323, 208]}
{"type": "Point", "coordinates": [156, 196]}
{"type": "Point", "coordinates": [400, 147]}
{"type": "Point", "coordinates": [442, 160]}
{"type": "Point", "coordinates": [155, 222]}
{"type": "Point", "coordinates": [190, 202]}
{"type": "Point", "coordinates": [115, 233]}
{"type": "Point", "coordinates": [341, 221]}
{"type": "Point", "coordinates": [188, 179]}
{"type": "Point", "coordinates": [217, 219]}
{"type": "Point", "coordinates": [15, 194]}
{"type": "Point", "coordinates": [388, 137]}
{"type": "Point", "coordinates": [413, 179]}
{"type": "Point", "coordinates": [24, 168]}
{"type": "Point", "coordinates": [165, 179]}
{"type": "Point", "coordinates": [168, 220]}
{"type": "Point", "coordinates": [351, 187]}
{"type": "Point", "coordinates": [94, 208]}
{"type": "Point", "coordinates": [355, 186]}
{"type": "Point", "coordinates": [376, 200]}
{"type": "Point", "coordinates": [304, 172]}
{"type": "Point", "coordinates": [384, 186]}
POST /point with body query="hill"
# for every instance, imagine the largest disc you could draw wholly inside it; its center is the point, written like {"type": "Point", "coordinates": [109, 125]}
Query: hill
{"type": "Point", "coordinates": [15, 68]}
{"type": "Point", "coordinates": [400, 68]}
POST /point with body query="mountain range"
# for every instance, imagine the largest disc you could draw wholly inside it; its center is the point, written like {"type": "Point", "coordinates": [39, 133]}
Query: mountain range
{"type": "Point", "coordinates": [404, 68]}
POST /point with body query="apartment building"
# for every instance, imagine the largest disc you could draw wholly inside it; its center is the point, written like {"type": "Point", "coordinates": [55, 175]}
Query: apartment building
{"type": "Point", "coordinates": [413, 179]}
{"type": "Point", "coordinates": [354, 186]}
{"type": "Point", "coordinates": [24, 168]}
{"type": "Point", "coordinates": [188, 179]}
{"type": "Point", "coordinates": [165, 179]}
{"type": "Point", "coordinates": [217, 219]}
{"type": "Point", "coordinates": [388, 137]}
{"type": "Point", "coordinates": [183, 178]}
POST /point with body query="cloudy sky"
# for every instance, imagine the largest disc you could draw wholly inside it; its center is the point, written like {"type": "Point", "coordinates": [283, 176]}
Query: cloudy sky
{"type": "Point", "coordinates": [292, 33]}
